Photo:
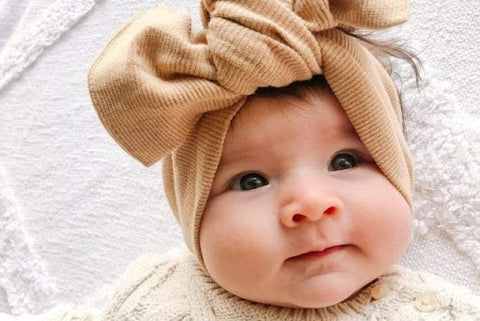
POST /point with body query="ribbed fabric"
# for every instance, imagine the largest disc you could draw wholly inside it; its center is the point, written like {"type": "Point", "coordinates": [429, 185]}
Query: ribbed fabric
{"type": "Point", "coordinates": [163, 92]}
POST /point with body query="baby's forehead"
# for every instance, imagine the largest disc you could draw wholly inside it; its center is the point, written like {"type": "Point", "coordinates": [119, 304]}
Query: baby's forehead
{"type": "Point", "coordinates": [311, 105]}
{"type": "Point", "coordinates": [266, 120]}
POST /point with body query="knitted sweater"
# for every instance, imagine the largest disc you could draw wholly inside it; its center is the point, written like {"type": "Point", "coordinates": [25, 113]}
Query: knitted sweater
{"type": "Point", "coordinates": [174, 287]}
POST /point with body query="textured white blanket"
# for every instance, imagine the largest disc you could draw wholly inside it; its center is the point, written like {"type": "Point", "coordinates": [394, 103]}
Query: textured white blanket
{"type": "Point", "coordinates": [75, 209]}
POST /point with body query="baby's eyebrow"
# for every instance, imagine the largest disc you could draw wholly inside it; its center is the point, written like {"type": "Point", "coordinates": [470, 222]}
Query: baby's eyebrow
{"type": "Point", "coordinates": [346, 131]}
{"type": "Point", "coordinates": [241, 154]}
{"type": "Point", "coordinates": [350, 130]}
{"type": "Point", "coordinates": [237, 154]}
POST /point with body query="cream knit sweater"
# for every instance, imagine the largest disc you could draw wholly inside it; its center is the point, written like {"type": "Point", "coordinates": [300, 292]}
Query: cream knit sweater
{"type": "Point", "coordinates": [173, 287]}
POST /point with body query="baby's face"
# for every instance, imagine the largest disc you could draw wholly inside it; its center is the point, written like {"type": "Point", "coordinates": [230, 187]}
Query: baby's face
{"type": "Point", "coordinates": [295, 178]}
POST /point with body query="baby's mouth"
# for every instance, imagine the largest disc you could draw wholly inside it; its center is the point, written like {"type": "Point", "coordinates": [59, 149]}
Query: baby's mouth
{"type": "Point", "coordinates": [314, 255]}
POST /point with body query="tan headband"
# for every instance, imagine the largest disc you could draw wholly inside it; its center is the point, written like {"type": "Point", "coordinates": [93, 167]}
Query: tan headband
{"type": "Point", "coordinates": [164, 92]}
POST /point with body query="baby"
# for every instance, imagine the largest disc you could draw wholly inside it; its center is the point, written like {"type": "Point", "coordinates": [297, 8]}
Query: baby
{"type": "Point", "coordinates": [284, 162]}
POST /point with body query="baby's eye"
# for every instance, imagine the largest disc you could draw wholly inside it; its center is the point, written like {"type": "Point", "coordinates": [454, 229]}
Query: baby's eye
{"type": "Point", "coordinates": [248, 182]}
{"type": "Point", "coordinates": [344, 161]}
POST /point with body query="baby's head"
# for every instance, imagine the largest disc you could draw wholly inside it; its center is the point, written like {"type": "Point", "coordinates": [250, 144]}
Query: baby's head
{"type": "Point", "coordinates": [258, 177]}
{"type": "Point", "coordinates": [295, 179]}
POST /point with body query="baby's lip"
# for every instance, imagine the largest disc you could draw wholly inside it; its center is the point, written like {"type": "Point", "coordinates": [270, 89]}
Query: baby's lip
{"type": "Point", "coordinates": [316, 252]}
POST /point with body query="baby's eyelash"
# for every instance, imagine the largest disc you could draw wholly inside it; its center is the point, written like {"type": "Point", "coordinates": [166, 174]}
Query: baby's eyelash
{"type": "Point", "coordinates": [360, 156]}
{"type": "Point", "coordinates": [235, 178]}
{"type": "Point", "coordinates": [357, 158]}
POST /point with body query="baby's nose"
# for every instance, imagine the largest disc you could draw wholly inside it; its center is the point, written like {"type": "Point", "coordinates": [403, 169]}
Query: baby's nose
{"type": "Point", "coordinates": [309, 206]}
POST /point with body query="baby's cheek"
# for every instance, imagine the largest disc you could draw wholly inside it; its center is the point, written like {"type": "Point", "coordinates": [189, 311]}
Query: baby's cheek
{"type": "Point", "coordinates": [237, 241]}
{"type": "Point", "coordinates": [402, 230]}
{"type": "Point", "coordinates": [384, 233]}
{"type": "Point", "coordinates": [386, 218]}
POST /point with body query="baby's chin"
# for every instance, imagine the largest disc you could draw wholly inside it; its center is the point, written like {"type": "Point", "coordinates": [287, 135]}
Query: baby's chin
{"type": "Point", "coordinates": [319, 299]}
{"type": "Point", "coordinates": [316, 304]}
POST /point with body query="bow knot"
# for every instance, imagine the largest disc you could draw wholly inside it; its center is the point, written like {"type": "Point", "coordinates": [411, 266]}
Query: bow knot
{"type": "Point", "coordinates": [256, 44]}
{"type": "Point", "coordinates": [237, 31]}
